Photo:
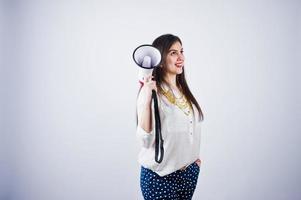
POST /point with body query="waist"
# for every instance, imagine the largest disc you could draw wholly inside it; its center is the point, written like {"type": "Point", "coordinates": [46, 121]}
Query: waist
{"type": "Point", "coordinates": [183, 168]}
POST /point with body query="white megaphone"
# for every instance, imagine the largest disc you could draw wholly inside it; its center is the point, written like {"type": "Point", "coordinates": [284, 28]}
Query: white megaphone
{"type": "Point", "coordinates": [147, 57]}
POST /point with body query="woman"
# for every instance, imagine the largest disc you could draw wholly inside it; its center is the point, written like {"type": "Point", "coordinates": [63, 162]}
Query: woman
{"type": "Point", "coordinates": [176, 176]}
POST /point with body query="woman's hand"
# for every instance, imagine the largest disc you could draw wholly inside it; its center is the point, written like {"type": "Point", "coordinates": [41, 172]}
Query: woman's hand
{"type": "Point", "coordinates": [198, 162]}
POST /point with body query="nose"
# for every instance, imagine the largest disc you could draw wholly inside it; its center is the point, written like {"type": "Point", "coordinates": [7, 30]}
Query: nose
{"type": "Point", "coordinates": [181, 57]}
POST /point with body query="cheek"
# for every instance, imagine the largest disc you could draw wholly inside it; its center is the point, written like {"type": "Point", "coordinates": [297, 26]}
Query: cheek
{"type": "Point", "coordinates": [171, 60]}
{"type": "Point", "coordinates": [168, 62]}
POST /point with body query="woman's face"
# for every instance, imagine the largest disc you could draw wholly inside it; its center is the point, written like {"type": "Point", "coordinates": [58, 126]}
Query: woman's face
{"type": "Point", "coordinates": [174, 60]}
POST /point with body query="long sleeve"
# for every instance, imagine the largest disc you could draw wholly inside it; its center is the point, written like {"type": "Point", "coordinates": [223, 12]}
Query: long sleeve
{"type": "Point", "coordinates": [147, 139]}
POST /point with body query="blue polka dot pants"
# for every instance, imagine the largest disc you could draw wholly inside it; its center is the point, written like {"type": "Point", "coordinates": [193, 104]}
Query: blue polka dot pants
{"type": "Point", "coordinates": [179, 185]}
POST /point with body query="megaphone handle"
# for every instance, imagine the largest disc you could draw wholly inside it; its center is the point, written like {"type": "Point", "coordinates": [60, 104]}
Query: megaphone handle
{"type": "Point", "coordinates": [158, 136]}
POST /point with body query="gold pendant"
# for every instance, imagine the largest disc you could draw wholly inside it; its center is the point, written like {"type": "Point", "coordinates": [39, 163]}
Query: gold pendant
{"type": "Point", "coordinates": [180, 102]}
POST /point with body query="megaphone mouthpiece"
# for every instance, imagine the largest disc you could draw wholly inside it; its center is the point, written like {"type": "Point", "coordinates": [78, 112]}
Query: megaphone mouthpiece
{"type": "Point", "coordinates": [147, 62]}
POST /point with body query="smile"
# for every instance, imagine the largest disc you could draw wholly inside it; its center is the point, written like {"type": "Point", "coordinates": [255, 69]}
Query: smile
{"type": "Point", "coordinates": [179, 65]}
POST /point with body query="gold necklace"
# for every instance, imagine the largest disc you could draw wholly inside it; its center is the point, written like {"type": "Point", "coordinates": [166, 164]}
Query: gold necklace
{"type": "Point", "coordinates": [181, 102]}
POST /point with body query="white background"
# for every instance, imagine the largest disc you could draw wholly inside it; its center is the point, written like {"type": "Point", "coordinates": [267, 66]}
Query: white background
{"type": "Point", "coordinates": [69, 86]}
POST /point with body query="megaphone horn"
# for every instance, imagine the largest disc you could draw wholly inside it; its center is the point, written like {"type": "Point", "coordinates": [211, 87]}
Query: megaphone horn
{"type": "Point", "coordinates": [147, 56]}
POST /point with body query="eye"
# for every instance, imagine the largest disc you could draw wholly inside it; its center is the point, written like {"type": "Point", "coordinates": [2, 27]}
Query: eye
{"type": "Point", "coordinates": [173, 53]}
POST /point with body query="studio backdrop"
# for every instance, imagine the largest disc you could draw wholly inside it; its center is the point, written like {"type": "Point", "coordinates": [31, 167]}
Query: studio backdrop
{"type": "Point", "coordinates": [69, 88]}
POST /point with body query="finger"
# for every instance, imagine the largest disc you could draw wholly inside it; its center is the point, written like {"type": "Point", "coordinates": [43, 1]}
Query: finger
{"type": "Point", "coordinates": [148, 78]}
{"type": "Point", "coordinates": [155, 86]}
{"type": "Point", "coordinates": [198, 160]}
{"type": "Point", "coordinates": [153, 83]}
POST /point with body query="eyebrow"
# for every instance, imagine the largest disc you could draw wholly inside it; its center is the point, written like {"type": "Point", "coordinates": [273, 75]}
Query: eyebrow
{"type": "Point", "coordinates": [174, 50]}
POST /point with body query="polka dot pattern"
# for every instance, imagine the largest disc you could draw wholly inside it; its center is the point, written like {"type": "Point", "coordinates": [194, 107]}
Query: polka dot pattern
{"type": "Point", "coordinates": [179, 185]}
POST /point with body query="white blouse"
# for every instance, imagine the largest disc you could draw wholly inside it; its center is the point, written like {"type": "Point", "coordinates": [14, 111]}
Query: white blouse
{"type": "Point", "coordinates": [181, 134]}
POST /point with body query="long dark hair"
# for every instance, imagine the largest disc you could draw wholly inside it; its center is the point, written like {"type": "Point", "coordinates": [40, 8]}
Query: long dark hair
{"type": "Point", "coordinates": [163, 43]}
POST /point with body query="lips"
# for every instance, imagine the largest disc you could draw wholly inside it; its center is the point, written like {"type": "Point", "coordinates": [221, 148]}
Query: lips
{"type": "Point", "coordinates": [179, 65]}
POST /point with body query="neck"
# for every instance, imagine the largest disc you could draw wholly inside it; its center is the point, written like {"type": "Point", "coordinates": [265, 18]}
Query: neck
{"type": "Point", "coordinates": [170, 79]}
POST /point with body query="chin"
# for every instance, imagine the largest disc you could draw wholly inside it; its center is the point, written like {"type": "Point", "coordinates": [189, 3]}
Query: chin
{"type": "Point", "coordinates": [180, 71]}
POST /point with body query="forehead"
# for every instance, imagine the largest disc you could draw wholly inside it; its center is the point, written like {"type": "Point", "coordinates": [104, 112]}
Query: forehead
{"type": "Point", "coordinates": [177, 45]}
